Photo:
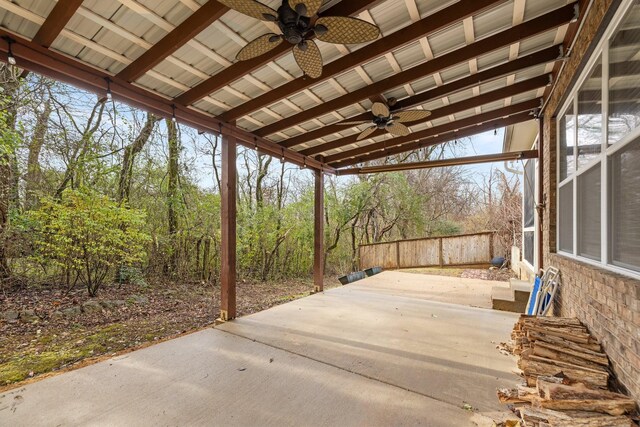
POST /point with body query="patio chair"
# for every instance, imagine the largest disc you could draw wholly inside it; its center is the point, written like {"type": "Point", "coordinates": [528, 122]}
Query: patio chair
{"type": "Point", "coordinates": [543, 292]}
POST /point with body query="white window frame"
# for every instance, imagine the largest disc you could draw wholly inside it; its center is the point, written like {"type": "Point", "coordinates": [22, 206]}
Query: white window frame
{"type": "Point", "coordinates": [601, 51]}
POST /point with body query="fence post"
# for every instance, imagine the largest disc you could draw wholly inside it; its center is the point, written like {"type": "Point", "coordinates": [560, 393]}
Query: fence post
{"type": "Point", "coordinates": [398, 254]}
{"type": "Point", "coordinates": [491, 249]}
{"type": "Point", "coordinates": [440, 254]}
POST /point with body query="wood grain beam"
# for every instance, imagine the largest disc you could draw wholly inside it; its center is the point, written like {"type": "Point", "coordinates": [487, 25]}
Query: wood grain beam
{"type": "Point", "coordinates": [228, 229]}
{"type": "Point", "coordinates": [471, 131]}
{"type": "Point", "coordinates": [413, 32]}
{"type": "Point", "coordinates": [239, 69]}
{"type": "Point", "coordinates": [188, 29]}
{"type": "Point", "coordinates": [519, 32]}
{"type": "Point", "coordinates": [456, 161]}
{"type": "Point", "coordinates": [318, 233]}
{"type": "Point", "coordinates": [466, 104]}
{"type": "Point", "coordinates": [56, 21]}
{"type": "Point", "coordinates": [448, 131]}
{"type": "Point", "coordinates": [36, 58]}
{"type": "Point", "coordinates": [541, 57]}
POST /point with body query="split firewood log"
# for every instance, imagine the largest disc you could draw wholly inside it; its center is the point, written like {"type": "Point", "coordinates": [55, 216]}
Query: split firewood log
{"type": "Point", "coordinates": [579, 397]}
{"type": "Point", "coordinates": [561, 342]}
{"type": "Point", "coordinates": [537, 366]}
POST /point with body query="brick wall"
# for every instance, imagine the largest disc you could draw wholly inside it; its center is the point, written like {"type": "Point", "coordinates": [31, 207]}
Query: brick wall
{"type": "Point", "coordinates": [608, 303]}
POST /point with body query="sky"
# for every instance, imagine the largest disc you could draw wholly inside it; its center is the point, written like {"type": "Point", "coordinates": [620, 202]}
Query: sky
{"type": "Point", "coordinates": [480, 144]}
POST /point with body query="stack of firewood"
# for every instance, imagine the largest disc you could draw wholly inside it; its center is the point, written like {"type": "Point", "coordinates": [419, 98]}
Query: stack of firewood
{"type": "Point", "coordinates": [566, 377]}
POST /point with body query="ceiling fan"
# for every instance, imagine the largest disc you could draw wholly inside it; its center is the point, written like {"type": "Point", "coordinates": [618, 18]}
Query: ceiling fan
{"type": "Point", "coordinates": [383, 118]}
{"type": "Point", "coordinates": [299, 23]}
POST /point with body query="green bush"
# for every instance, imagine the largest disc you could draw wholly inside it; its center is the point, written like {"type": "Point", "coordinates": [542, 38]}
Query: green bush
{"type": "Point", "coordinates": [87, 235]}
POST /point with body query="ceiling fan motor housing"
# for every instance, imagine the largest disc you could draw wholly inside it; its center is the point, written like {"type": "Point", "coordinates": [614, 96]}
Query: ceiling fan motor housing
{"type": "Point", "coordinates": [381, 122]}
{"type": "Point", "coordinates": [294, 27]}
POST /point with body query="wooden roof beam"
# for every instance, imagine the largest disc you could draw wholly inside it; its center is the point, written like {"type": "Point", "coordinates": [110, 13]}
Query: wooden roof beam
{"type": "Point", "coordinates": [541, 57]}
{"type": "Point", "coordinates": [239, 69]}
{"type": "Point", "coordinates": [456, 161]}
{"type": "Point", "coordinates": [56, 21]}
{"type": "Point", "coordinates": [33, 57]}
{"type": "Point", "coordinates": [467, 104]}
{"type": "Point", "coordinates": [519, 32]}
{"type": "Point", "coordinates": [187, 30]}
{"type": "Point", "coordinates": [468, 132]}
{"type": "Point", "coordinates": [413, 32]}
{"type": "Point", "coordinates": [450, 130]}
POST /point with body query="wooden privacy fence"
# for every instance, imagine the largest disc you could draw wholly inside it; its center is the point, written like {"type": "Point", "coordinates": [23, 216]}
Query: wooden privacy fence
{"type": "Point", "coordinates": [464, 249]}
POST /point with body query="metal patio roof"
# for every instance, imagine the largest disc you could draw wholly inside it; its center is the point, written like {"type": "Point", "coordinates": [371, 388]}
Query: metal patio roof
{"type": "Point", "coordinates": [476, 64]}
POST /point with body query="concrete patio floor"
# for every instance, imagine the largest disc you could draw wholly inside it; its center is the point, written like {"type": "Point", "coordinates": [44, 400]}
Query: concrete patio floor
{"type": "Point", "coordinates": [370, 353]}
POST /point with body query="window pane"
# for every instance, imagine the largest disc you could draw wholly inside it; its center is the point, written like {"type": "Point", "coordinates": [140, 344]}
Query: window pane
{"type": "Point", "coordinates": [567, 134]}
{"type": "Point", "coordinates": [565, 204]}
{"type": "Point", "coordinates": [624, 77]}
{"type": "Point", "coordinates": [528, 244]}
{"type": "Point", "coordinates": [625, 206]}
{"type": "Point", "coordinates": [589, 213]}
{"type": "Point", "coordinates": [529, 183]}
{"type": "Point", "coordinates": [590, 116]}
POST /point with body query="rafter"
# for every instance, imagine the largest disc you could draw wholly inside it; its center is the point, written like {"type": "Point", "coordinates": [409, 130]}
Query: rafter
{"type": "Point", "coordinates": [541, 57]}
{"type": "Point", "coordinates": [447, 110]}
{"type": "Point", "coordinates": [528, 29]}
{"type": "Point", "coordinates": [187, 30]}
{"type": "Point", "coordinates": [385, 45]}
{"type": "Point", "coordinates": [36, 58]}
{"type": "Point", "coordinates": [402, 142]}
{"type": "Point", "coordinates": [468, 132]}
{"type": "Point", "coordinates": [456, 161]}
{"type": "Point", "coordinates": [239, 69]}
{"type": "Point", "coordinates": [56, 21]}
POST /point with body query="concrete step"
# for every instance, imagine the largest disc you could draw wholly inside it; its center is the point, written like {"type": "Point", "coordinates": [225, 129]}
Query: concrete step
{"type": "Point", "coordinates": [521, 289]}
{"type": "Point", "coordinates": [504, 299]}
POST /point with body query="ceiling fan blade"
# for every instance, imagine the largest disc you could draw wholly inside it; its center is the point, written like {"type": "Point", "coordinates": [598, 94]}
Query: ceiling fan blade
{"type": "Point", "coordinates": [365, 133]}
{"type": "Point", "coordinates": [309, 60]}
{"type": "Point", "coordinates": [355, 123]}
{"type": "Point", "coordinates": [411, 115]}
{"type": "Point", "coordinates": [312, 6]}
{"type": "Point", "coordinates": [257, 47]}
{"type": "Point", "coordinates": [251, 8]}
{"type": "Point", "coordinates": [380, 110]}
{"type": "Point", "coordinates": [398, 129]}
{"type": "Point", "coordinates": [345, 30]}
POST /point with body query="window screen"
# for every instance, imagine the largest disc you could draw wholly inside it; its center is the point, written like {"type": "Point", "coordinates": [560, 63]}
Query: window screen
{"type": "Point", "coordinates": [567, 137]}
{"type": "Point", "coordinates": [529, 243]}
{"type": "Point", "coordinates": [624, 78]}
{"type": "Point", "coordinates": [529, 204]}
{"type": "Point", "coordinates": [589, 117]}
{"type": "Point", "coordinates": [589, 197]}
{"type": "Point", "coordinates": [625, 206]}
{"type": "Point", "coordinates": [565, 206]}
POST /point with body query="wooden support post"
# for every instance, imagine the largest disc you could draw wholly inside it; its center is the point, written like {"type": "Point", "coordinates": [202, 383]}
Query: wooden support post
{"type": "Point", "coordinates": [228, 229]}
{"type": "Point", "coordinates": [398, 254]}
{"type": "Point", "coordinates": [318, 233]}
{"type": "Point", "coordinates": [440, 253]}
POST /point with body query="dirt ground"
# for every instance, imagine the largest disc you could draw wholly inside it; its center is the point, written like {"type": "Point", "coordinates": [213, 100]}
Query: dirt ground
{"type": "Point", "coordinates": [118, 319]}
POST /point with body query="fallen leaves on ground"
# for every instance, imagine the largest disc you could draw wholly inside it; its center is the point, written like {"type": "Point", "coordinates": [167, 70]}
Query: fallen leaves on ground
{"type": "Point", "coordinates": [150, 313]}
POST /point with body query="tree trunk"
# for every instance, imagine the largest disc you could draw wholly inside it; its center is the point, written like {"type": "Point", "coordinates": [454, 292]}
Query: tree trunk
{"type": "Point", "coordinates": [172, 191]}
{"type": "Point", "coordinates": [130, 152]}
{"type": "Point", "coordinates": [34, 174]}
{"type": "Point", "coordinates": [8, 189]}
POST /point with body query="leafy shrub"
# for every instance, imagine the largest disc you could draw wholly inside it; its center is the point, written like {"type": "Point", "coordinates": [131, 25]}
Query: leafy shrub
{"type": "Point", "coordinates": [86, 235]}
